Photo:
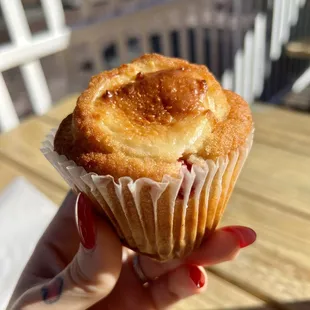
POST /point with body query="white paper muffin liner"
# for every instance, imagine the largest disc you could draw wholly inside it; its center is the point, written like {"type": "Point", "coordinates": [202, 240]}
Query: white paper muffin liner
{"type": "Point", "coordinates": [165, 219]}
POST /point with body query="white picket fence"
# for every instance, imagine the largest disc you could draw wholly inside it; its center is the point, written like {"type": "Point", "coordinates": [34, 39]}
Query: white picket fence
{"type": "Point", "coordinates": [25, 51]}
{"type": "Point", "coordinates": [141, 19]}
{"type": "Point", "coordinates": [250, 62]}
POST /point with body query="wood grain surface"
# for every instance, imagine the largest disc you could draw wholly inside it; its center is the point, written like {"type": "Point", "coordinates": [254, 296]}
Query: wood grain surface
{"type": "Point", "coordinates": [272, 196]}
{"type": "Point", "coordinates": [22, 146]}
{"type": "Point", "coordinates": [10, 170]}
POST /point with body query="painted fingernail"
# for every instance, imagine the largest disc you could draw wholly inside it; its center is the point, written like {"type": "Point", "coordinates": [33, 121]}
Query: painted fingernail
{"type": "Point", "coordinates": [197, 276]}
{"type": "Point", "coordinates": [246, 236]}
{"type": "Point", "coordinates": [85, 222]}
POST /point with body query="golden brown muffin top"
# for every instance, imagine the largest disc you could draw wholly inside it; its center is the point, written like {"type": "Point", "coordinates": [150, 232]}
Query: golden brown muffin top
{"type": "Point", "coordinates": [143, 118]}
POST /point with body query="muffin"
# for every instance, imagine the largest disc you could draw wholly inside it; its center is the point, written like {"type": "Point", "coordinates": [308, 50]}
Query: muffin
{"type": "Point", "coordinates": [157, 145]}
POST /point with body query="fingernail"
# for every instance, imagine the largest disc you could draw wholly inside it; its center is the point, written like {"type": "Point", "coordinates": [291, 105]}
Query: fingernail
{"type": "Point", "coordinates": [197, 276]}
{"type": "Point", "coordinates": [245, 235]}
{"type": "Point", "coordinates": [85, 222]}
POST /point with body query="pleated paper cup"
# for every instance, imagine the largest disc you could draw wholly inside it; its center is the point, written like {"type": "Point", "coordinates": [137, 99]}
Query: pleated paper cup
{"type": "Point", "coordinates": [166, 219]}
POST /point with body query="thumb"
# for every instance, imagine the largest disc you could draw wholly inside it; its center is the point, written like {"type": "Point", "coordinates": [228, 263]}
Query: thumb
{"type": "Point", "coordinates": [91, 275]}
{"type": "Point", "coordinates": [95, 269]}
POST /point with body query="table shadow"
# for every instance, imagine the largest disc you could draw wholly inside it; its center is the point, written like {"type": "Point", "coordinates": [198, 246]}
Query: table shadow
{"type": "Point", "coordinates": [304, 305]}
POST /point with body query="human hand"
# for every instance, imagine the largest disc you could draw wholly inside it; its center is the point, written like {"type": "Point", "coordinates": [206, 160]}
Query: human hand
{"type": "Point", "coordinates": [88, 267]}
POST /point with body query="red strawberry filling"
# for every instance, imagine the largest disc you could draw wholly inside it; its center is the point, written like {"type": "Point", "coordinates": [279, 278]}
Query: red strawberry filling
{"type": "Point", "coordinates": [188, 165]}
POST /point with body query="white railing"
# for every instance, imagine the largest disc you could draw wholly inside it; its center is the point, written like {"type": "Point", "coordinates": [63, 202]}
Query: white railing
{"type": "Point", "coordinates": [250, 61]}
{"type": "Point", "coordinates": [162, 20]}
{"type": "Point", "coordinates": [25, 51]}
{"type": "Point", "coordinates": [249, 71]}
{"type": "Point", "coordinates": [247, 49]}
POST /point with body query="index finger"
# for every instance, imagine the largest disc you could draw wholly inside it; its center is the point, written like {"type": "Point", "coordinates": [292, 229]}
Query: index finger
{"type": "Point", "coordinates": [223, 245]}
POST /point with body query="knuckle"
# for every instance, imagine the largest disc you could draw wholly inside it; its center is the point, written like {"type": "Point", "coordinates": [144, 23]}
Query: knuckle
{"type": "Point", "coordinates": [171, 294]}
{"type": "Point", "coordinates": [80, 281]}
{"type": "Point", "coordinates": [164, 296]}
{"type": "Point", "coordinates": [233, 255]}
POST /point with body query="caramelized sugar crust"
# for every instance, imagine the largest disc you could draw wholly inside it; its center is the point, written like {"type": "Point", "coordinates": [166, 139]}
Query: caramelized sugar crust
{"type": "Point", "coordinates": [143, 118]}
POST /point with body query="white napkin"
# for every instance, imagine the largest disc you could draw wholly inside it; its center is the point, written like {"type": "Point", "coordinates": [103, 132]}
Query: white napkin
{"type": "Point", "coordinates": [24, 215]}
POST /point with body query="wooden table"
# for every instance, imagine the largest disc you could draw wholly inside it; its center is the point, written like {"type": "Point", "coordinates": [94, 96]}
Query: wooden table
{"type": "Point", "coordinates": [272, 196]}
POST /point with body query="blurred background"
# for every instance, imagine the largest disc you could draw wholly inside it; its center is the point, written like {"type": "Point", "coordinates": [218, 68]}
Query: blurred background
{"type": "Point", "coordinates": [258, 48]}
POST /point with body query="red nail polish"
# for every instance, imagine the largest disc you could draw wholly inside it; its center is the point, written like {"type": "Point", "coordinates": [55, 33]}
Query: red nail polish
{"type": "Point", "coordinates": [197, 276]}
{"type": "Point", "coordinates": [245, 235]}
{"type": "Point", "coordinates": [85, 222]}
